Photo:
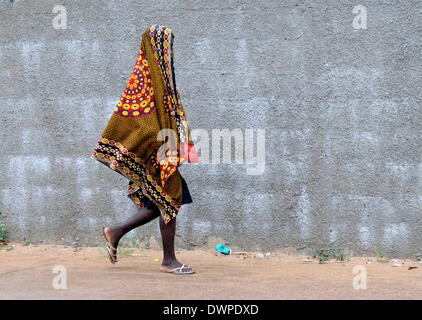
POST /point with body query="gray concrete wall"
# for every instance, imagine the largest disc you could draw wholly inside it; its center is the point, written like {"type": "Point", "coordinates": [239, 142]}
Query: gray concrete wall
{"type": "Point", "coordinates": [341, 108]}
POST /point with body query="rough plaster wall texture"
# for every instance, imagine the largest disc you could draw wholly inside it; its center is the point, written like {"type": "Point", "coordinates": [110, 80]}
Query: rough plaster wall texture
{"type": "Point", "coordinates": [341, 108]}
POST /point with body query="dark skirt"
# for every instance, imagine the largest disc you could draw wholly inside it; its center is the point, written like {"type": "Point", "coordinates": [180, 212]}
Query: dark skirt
{"type": "Point", "coordinates": [186, 197]}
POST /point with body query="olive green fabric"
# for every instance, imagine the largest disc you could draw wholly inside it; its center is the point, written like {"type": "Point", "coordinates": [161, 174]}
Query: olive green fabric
{"type": "Point", "coordinates": [129, 142]}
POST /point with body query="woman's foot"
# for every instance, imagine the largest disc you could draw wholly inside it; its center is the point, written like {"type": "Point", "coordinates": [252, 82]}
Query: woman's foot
{"type": "Point", "coordinates": [176, 267]}
{"type": "Point", "coordinates": [113, 241]}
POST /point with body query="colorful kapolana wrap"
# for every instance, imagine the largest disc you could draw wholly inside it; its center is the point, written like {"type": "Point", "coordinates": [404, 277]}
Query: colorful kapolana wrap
{"type": "Point", "coordinates": [134, 143]}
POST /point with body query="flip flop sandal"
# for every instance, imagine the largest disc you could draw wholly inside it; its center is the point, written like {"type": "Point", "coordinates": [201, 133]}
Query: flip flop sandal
{"type": "Point", "coordinates": [112, 256]}
{"type": "Point", "coordinates": [178, 270]}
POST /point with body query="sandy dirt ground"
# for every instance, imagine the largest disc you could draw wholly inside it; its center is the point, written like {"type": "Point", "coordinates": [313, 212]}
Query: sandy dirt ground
{"type": "Point", "coordinates": [26, 272]}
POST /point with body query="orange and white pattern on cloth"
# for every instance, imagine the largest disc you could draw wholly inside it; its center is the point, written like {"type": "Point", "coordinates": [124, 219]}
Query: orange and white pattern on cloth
{"type": "Point", "coordinates": [129, 144]}
{"type": "Point", "coordinates": [161, 39]}
{"type": "Point", "coordinates": [168, 165]}
{"type": "Point", "coordinates": [162, 46]}
{"type": "Point", "coordinates": [138, 98]}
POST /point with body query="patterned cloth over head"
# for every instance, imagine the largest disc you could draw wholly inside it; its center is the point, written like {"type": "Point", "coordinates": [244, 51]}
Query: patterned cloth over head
{"type": "Point", "coordinates": [147, 137]}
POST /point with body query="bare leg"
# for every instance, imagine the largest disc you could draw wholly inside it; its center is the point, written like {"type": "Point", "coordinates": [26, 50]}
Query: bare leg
{"type": "Point", "coordinates": [114, 234]}
{"type": "Point", "coordinates": [168, 231]}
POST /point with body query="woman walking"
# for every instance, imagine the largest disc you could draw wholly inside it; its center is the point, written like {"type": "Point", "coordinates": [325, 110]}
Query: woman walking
{"type": "Point", "coordinates": [146, 140]}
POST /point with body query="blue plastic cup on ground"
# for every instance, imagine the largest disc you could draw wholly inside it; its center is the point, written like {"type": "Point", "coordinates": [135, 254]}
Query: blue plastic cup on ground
{"type": "Point", "coordinates": [223, 249]}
